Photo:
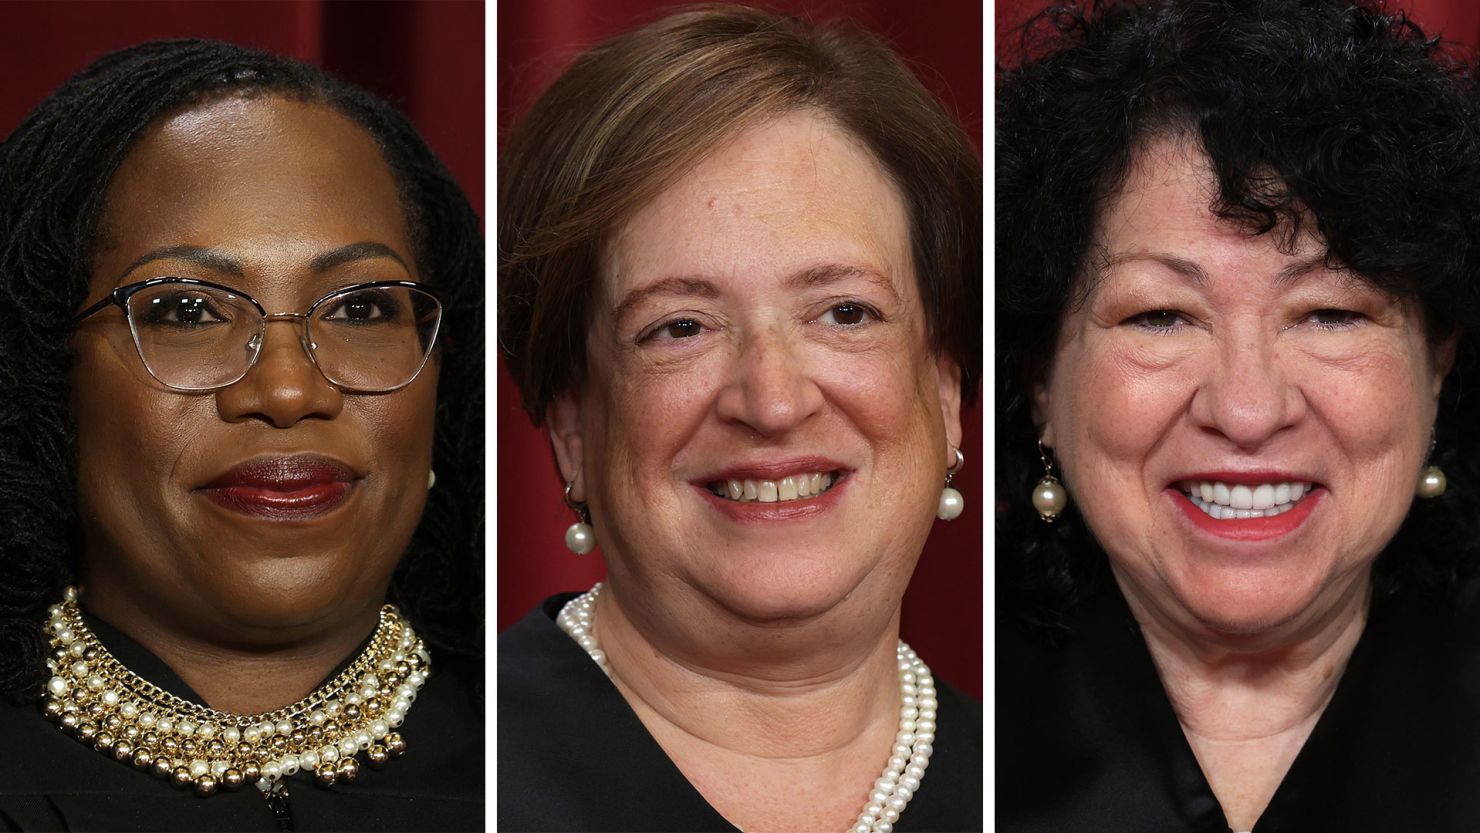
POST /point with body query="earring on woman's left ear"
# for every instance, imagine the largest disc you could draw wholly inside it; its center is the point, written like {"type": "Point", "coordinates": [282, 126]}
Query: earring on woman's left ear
{"type": "Point", "coordinates": [952, 504]}
{"type": "Point", "coordinates": [431, 478]}
{"type": "Point", "coordinates": [1432, 482]}
{"type": "Point", "coordinates": [580, 537]}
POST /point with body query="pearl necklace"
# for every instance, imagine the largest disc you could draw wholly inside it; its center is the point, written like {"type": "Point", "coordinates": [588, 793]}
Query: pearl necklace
{"type": "Point", "coordinates": [912, 745]}
{"type": "Point", "coordinates": [115, 711]}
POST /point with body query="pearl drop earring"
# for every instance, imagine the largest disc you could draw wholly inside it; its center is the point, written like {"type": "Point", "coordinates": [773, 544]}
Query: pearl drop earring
{"type": "Point", "coordinates": [431, 478]}
{"type": "Point", "coordinates": [1049, 495]}
{"type": "Point", "coordinates": [1432, 483]}
{"type": "Point", "coordinates": [580, 538]}
{"type": "Point", "coordinates": [952, 504]}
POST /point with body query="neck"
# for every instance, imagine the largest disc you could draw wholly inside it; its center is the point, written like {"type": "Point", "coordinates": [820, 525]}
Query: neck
{"type": "Point", "coordinates": [1236, 689]}
{"type": "Point", "coordinates": [1247, 705]}
{"type": "Point", "coordinates": [788, 742]}
{"type": "Point", "coordinates": [239, 677]}
{"type": "Point", "coordinates": [768, 693]}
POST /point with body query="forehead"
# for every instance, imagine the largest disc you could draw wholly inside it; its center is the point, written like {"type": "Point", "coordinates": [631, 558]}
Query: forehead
{"type": "Point", "coordinates": [271, 181]}
{"type": "Point", "coordinates": [792, 192]}
{"type": "Point", "coordinates": [1165, 206]}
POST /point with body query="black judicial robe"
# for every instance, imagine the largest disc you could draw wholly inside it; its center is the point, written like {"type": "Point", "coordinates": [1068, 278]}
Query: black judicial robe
{"type": "Point", "coordinates": [572, 755]}
{"type": "Point", "coordinates": [1087, 739]}
{"type": "Point", "coordinates": [50, 781]}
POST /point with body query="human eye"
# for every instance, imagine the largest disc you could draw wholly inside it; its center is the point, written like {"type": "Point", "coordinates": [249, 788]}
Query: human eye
{"type": "Point", "coordinates": [363, 306]}
{"type": "Point", "coordinates": [181, 309]}
{"type": "Point", "coordinates": [1157, 321]}
{"type": "Point", "coordinates": [1333, 319]}
{"type": "Point", "coordinates": [674, 329]}
{"type": "Point", "coordinates": [848, 314]}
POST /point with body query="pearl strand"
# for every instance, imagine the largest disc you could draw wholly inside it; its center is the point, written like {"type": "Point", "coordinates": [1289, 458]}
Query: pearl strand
{"type": "Point", "coordinates": [908, 759]}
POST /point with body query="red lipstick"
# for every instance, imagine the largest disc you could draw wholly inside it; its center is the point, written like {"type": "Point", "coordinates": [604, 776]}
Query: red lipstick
{"type": "Point", "coordinates": [1250, 529]}
{"type": "Point", "coordinates": [301, 487]}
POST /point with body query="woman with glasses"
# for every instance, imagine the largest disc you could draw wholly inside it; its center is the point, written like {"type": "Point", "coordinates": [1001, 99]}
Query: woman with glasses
{"type": "Point", "coordinates": [240, 368]}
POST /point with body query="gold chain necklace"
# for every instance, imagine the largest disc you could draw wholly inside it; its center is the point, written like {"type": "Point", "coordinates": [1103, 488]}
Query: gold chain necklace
{"type": "Point", "coordinates": [94, 698]}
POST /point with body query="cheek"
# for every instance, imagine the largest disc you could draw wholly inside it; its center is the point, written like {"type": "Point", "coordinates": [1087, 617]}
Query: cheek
{"type": "Point", "coordinates": [1380, 409]}
{"type": "Point", "coordinates": [1109, 408]}
{"type": "Point", "coordinates": [130, 433]}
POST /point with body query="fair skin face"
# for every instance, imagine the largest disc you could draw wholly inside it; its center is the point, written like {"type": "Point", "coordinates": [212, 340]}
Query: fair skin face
{"type": "Point", "coordinates": [1204, 354]}
{"type": "Point", "coordinates": [759, 319]}
{"type": "Point", "coordinates": [251, 611]}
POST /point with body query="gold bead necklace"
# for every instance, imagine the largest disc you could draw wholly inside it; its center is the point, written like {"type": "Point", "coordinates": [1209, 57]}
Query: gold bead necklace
{"type": "Point", "coordinates": [94, 698]}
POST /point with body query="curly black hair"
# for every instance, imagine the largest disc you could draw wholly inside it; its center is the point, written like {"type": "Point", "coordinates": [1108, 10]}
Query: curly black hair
{"type": "Point", "coordinates": [54, 171]}
{"type": "Point", "coordinates": [1338, 116]}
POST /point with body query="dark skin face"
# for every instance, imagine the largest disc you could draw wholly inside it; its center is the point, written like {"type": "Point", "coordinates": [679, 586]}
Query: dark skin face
{"type": "Point", "coordinates": [270, 186]}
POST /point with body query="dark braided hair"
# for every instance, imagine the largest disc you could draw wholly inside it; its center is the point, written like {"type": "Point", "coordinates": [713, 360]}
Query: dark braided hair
{"type": "Point", "coordinates": [1338, 116]}
{"type": "Point", "coordinates": [54, 171]}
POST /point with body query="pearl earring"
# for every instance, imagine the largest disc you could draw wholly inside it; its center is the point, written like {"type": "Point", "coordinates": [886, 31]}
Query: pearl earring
{"type": "Point", "coordinates": [951, 503]}
{"type": "Point", "coordinates": [1049, 496]}
{"type": "Point", "coordinates": [580, 538]}
{"type": "Point", "coordinates": [1432, 482]}
{"type": "Point", "coordinates": [431, 478]}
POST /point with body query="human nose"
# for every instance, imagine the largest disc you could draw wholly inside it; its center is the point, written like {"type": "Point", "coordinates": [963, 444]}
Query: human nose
{"type": "Point", "coordinates": [283, 386]}
{"type": "Point", "coordinates": [1247, 394]}
{"type": "Point", "coordinates": [768, 389]}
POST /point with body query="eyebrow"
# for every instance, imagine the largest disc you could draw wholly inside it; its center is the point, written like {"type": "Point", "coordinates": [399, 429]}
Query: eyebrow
{"type": "Point", "coordinates": [225, 264]}
{"type": "Point", "coordinates": [1194, 273]}
{"type": "Point", "coordinates": [364, 250]}
{"type": "Point", "coordinates": [697, 287]}
{"type": "Point", "coordinates": [210, 258]}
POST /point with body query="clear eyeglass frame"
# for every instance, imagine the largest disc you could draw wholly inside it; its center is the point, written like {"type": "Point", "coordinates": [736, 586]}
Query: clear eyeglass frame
{"type": "Point", "coordinates": [121, 297]}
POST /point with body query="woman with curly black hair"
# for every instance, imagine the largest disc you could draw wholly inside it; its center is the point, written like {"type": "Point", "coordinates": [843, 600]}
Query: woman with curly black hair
{"type": "Point", "coordinates": [240, 412]}
{"type": "Point", "coordinates": [1236, 313]}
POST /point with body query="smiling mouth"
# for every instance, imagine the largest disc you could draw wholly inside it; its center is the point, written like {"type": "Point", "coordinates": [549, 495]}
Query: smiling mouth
{"type": "Point", "coordinates": [1236, 501]}
{"type": "Point", "coordinates": [796, 487]}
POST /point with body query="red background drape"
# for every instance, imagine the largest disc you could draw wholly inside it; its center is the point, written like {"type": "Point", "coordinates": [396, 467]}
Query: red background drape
{"type": "Point", "coordinates": [427, 58]}
{"type": "Point", "coordinates": [941, 40]}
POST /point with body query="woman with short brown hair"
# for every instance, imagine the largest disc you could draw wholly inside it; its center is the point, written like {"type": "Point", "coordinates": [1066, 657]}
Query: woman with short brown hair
{"type": "Point", "coordinates": [739, 267]}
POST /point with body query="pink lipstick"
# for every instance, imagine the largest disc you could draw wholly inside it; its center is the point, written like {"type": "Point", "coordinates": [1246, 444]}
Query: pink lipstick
{"type": "Point", "coordinates": [301, 487]}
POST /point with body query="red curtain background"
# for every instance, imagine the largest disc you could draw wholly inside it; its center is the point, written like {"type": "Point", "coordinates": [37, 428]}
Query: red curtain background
{"type": "Point", "coordinates": [427, 58]}
{"type": "Point", "coordinates": [941, 40]}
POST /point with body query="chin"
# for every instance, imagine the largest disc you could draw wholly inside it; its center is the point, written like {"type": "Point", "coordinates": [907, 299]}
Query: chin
{"type": "Point", "coordinates": [1251, 608]}
{"type": "Point", "coordinates": [781, 589]}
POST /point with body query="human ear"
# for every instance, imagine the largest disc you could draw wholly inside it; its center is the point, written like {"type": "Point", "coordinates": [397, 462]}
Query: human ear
{"type": "Point", "coordinates": [1443, 361]}
{"type": "Point", "coordinates": [948, 380]}
{"type": "Point", "coordinates": [563, 419]}
{"type": "Point", "coordinates": [1040, 412]}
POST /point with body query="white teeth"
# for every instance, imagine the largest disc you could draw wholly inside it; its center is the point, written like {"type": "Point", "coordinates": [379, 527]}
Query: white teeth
{"type": "Point", "coordinates": [1241, 497]}
{"type": "Point", "coordinates": [794, 487]}
{"type": "Point", "coordinates": [786, 489]}
{"type": "Point", "coordinates": [1224, 502]}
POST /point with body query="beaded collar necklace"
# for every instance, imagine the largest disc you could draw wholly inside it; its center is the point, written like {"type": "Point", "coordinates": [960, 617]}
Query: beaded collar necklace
{"type": "Point", "coordinates": [912, 745]}
{"type": "Point", "coordinates": [94, 698]}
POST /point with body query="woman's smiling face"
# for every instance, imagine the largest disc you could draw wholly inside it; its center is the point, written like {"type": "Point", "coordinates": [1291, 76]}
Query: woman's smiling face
{"type": "Point", "coordinates": [188, 499]}
{"type": "Point", "coordinates": [1241, 427]}
{"type": "Point", "coordinates": [763, 420]}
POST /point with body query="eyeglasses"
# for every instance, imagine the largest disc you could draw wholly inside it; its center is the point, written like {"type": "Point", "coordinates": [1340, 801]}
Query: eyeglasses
{"type": "Point", "coordinates": [198, 336]}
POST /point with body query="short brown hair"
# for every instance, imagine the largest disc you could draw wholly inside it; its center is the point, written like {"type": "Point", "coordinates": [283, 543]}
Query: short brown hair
{"type": "Point", "coordinates": [634, 113]}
